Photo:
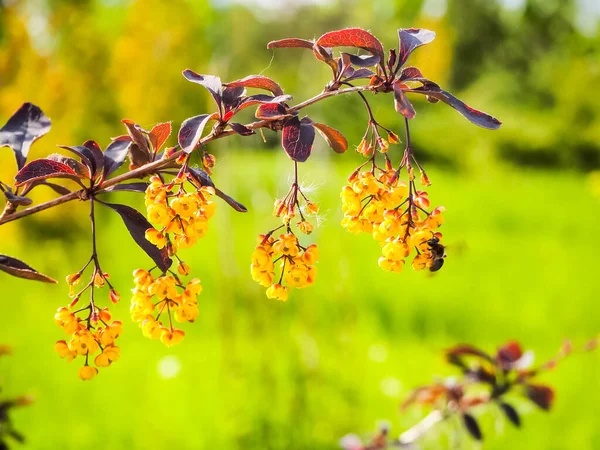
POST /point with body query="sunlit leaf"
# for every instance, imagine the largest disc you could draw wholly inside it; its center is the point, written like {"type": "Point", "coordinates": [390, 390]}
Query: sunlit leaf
{"type": "Point", "coordinates": [410, 39]}
{"type": "Point", "coordinates": [259, 82]}
{"type": "Point", "coordinates": [291, 43]}
{"type": "Point", "coordinates": [353, 37]}
{"type": "Point", "coordinates": [23, 128]}
{"type": "Point", "coordinates": [79, 168]}
{"type": "Point", "coordinates": [333, 137]}
{"type": "Point", "coordinates": [210, 82]}
{"type": "Point", "coordinates": [41, 169]}
{"type": "Point", "coordinates": [271, 111]}
{"type": "Point", "coordinates": [401, 103]}
{"type": "Point", "coordinates": [191, 131]}
{"type": "Point", "coordinates": [159, 135]}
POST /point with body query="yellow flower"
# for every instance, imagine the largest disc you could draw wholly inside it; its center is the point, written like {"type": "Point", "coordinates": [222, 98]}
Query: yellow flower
{"type": "Point", "coordinates": [171, 337]}
{"type": "Point", "coordinates": [305, 227]}
{"type": "Point", "coordinates": [156, 237]}
{"type": "Point", "coordinates": [64, 351]}
{"type": "Point", "coordinates": [311, 254]}
{"type": "Point", "coordinates": [87, 373]}
{"type": "Point", "coordinates": [185, 205]}
{"type": "Point", "coordinates": [287, 244]}
{"type": "Point", "coordinates": [279, 292]}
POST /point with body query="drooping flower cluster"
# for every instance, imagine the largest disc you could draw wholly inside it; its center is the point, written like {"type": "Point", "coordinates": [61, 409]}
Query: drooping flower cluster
{"type": "Point", "coordinates": [296, 264]}
{"type": "Point", "coordinates": [395, 213]}
{"type": "Point", "coordinates": [180, 218]}
{"type": "Point", "coordinates": [91, 335]}
{"type": "Point", "coordinates": [88, 337]}
{"type": "Point", "coordinates": [164, 295]}
{"type": "Point", "coordinates": [282, 263]}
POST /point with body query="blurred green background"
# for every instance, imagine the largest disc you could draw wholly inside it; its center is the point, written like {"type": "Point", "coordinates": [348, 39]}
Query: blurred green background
{"type": "Point", "coordinates": [522, 221]}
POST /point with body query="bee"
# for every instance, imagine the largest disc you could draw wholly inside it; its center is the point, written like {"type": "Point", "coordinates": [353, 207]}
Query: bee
{"type": "Point", "coordinates": [438, 253]}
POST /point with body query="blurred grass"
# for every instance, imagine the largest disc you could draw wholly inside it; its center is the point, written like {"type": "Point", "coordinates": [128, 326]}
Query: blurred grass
{"type": "Point", "coordinates": [258, 374]}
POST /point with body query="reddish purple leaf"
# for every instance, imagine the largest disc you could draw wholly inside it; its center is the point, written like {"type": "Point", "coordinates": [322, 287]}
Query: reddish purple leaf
{"type": "Point", "coordinates": [230, 201]}
{"type": "Point", "coordinates": [19, 269]}
{"type": "Point", "coordinates": [137, 225]}
{"type": "Point", "coordinates": [242, 130]}
{"type": "Point", "coordinates": [410, 39]}
{"type": "Point", "coordinates": [543, 396]}
{"type": "Point", "coordinates": [115, 154]}
{"type": "Point", "coordinates": [86, 156]}
{"type": "Point", "coordinates": [259, 99]}
{"type": "Point", "coordinates": [297, 138]}
{"type": "Point", "coordinates": [360, 73]}
{"type": "Point", "coordinates": [204, 179]}
{"type": "Point", "coordinates": [80, 169]}
{"type": "Point", "coordinates": [41, 169]}
{"type": "Point", "coordinates": [471, 114]}
{"type": "Point", "coordinates": [139, 137]}
{"type": "Point", "coordinates": [98, 155]}
{"type": "Point", "coordinates": [362, 61]}
{"type": "Point", "coordinates": [353, 37]}
{"type": "Point", "coordinates": [191, 131]}
{"type": "Point", "coordinates": [271, 111]}
{"type": "Point", "coordinates": [23, 128]}
{"type": "Point", "coordinates": [333, 137]}
{"type": "Point", "coordinates": [290, 43]}
{"type": "Point", "coordinates": [259, 82]}
{"type": "Point", "coordinates": [410, 72]}
{"type": "Point", "coordinates": [401, 103]}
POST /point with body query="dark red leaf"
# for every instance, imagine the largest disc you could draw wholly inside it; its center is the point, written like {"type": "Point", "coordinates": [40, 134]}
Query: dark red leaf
{"type": "Point", "coordinates": [360, 73]}
{"type": "Point", "coordinates": [509, 353]}
{"type": "Point", "coordinates": [543, 396]}
{"type": "Point", "coordinates": [325, 55]}
{"type": "Point", "coordinates": [19, 269]}
{"type": "Point", "coordinates": [18, 200]}
{"type": "Point", "coordinates": [232, 97]}
{"type": "Point", "coordinates": [85, 154]}
{"type": "Point", "coordinates": [362, 61]}
{"type": "Point", "coordinates": [191, 131]}
{"type": "Point", "coordinates": [80, 169]}
{"type": "Point", "coordinates": [98, 155]}
{"type": "Point", "coordinates": [130, 187]}
{"type": "Point", "coordinates": [137, 225]}
{"type": "Point", "coordinates": [401, 103]}
{"type": "Point", "coordinates": [511, 414]}
{"type": "Point", "coordinates": [473, 115]}
{"type": "Point", "coordinates": [41, 169]}
{"type": "Point", "coordinates": [290, 43]}
{"type": "Point", "coordinates": [410, 39]}
{"type": "Point", "coordinates": [159, 135]}
{"type": "Point", "coordinates": [297, 138]}
{"type": "Point", "coordinates": [210, 82]}
{"type": "Point", "coordinates": [115, 154]}
{"type": "Point", "coordinates": [472, 426]}
{"type": "Point", "coordinates": [333, 137]}
{"type": "Point", "coordinates": [139, 138]}
{"type": "Point", "coordinates": [353, 37]}
{"type": "Point", "coordinates": [271, 111]}
{"type": "Point", "coordinates": [259, 99]}
{"type": "Point", "coordinates": [410, 72]}
{"type": "Point", "coordinates": [23, 128]}
{"type": "Point", "coordinates": [259, 82]}
{"type": "Point", "coordinates": [242, 130]}
{"type": "Point", "coordinates": [201, 177]}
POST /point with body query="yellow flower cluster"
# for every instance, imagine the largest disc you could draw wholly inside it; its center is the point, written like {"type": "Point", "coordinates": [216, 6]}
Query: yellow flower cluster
{"type": "Point", "coordinates": [394, 212]}
{"type": "Point", "coordinates": [296, 264]}
{"type": "Point", "coordinates": [181, 214]}
{"type": "Point", "coordinates": [163, 294]}
{"type": "Point", "coordinates": [88, 337]}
